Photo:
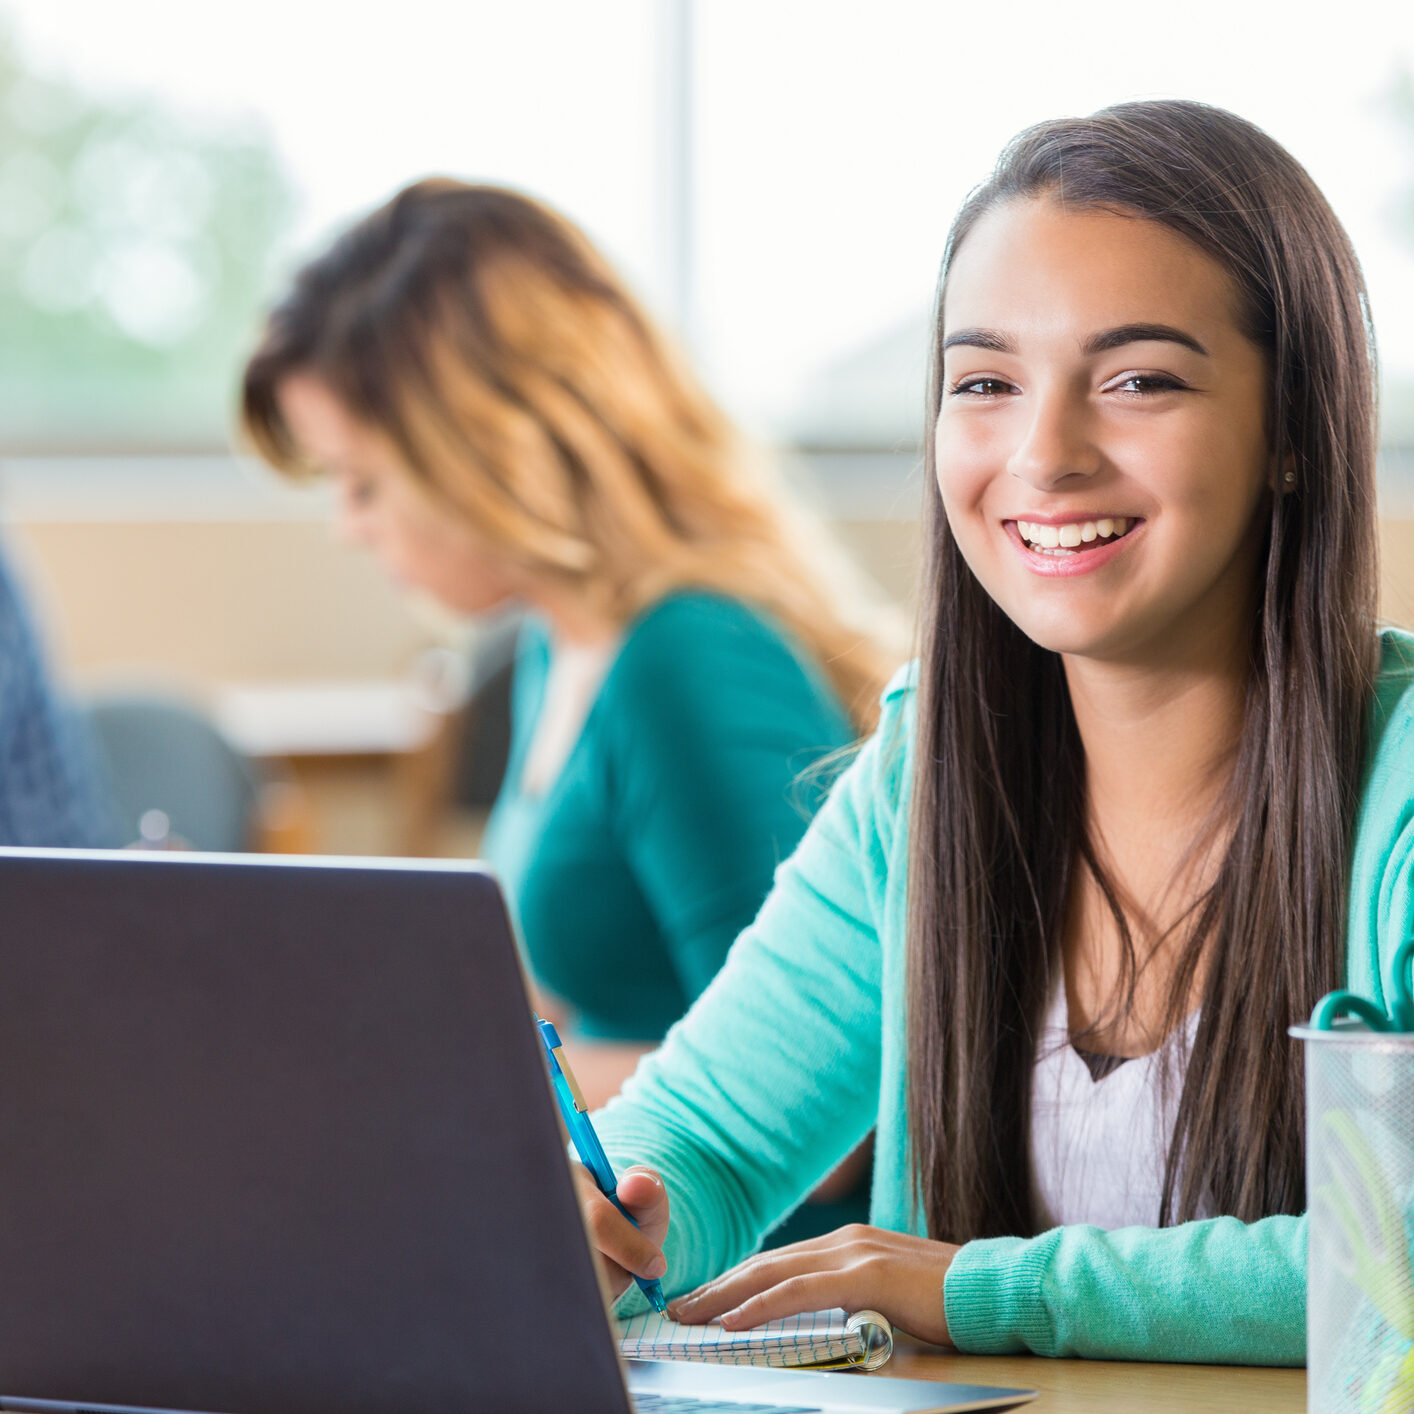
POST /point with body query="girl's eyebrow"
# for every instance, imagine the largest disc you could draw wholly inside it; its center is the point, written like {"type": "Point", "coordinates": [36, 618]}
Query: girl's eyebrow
{"type": "Point", "coordinates": [994, 341]}
{"type": "Point", "coordinates": [1141, 334]}
{"type": "Point", "coordinates": [990, 339]}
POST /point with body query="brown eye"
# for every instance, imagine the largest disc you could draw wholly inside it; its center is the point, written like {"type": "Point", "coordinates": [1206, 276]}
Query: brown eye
{"type": "Point", "coordinates": [1139, 384]}
{"type": "Point", "coordinates": [980, 387]}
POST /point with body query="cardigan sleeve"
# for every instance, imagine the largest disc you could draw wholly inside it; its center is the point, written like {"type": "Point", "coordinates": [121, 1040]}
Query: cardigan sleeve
{"type": "Point", "coordinates": [710, 720]}
{"type": "Point", "coordinates": [773, 1076]}
{"type": "Point", "coordinates": [1216, 1291]}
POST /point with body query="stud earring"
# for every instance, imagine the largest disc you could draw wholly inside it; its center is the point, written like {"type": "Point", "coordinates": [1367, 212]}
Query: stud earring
{"type": "Point", "coordinates": [1290, 478]}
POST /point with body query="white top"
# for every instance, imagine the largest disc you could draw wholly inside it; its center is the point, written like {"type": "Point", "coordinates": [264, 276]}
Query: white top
{"type": "Point", "coordinates": [1098, 1147]}
{"type": "Point", "coordinates": [572, 682]}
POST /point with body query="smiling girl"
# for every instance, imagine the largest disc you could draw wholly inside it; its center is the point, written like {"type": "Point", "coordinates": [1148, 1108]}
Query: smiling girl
{"type": "Point", "coordinates": [1146, 795]}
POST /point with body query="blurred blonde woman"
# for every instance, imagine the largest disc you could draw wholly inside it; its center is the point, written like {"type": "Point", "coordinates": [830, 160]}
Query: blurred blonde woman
{"type": "Point", "coordinates": [503, 423]}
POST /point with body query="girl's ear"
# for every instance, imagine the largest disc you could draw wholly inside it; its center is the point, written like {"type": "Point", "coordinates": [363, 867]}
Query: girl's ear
{"type": "Point", "coordinates": [1281, 475]}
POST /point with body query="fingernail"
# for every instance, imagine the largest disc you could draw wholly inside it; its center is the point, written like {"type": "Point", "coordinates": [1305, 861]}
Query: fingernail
{"type": "Point", "coordinates": [658, 1266]}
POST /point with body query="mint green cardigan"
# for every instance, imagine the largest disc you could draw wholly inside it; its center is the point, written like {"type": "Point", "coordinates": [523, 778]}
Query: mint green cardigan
{"type": "Point", "coordinates": [797, 1050]}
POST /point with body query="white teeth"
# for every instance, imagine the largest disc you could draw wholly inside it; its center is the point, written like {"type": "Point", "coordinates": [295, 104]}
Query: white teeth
{"type": "Point", "coordinates": [1068, 537]}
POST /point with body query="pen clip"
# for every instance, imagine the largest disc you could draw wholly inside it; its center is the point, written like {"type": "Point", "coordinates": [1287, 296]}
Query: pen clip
{"type": "Point", "coordinates": [554, 1048]}
{"type": "Point", "coordinates": [575, 1091]}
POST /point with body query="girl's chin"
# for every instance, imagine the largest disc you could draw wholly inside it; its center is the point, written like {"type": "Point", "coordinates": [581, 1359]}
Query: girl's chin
{"type": "Point", "coordinates": [453, 598]}
{"type": "Point", "coordinates": [1115, 643]}
{"type": "Point", "coordinates": [477, 604]}
{"type": "Point", "coordinates": [1073, 637]}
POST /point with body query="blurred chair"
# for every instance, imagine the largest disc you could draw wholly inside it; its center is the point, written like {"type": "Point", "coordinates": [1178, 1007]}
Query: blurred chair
{"type": "Point", "coordinates": [175, 778]}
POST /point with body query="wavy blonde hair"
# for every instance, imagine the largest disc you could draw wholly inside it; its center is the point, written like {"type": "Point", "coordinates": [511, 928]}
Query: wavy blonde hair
{"type": "Point", "coordinates": [484, 335]}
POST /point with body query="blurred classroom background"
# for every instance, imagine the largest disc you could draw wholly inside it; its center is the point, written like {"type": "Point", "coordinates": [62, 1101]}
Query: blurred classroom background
{"type": "Point", "coordinates": [775, 177]}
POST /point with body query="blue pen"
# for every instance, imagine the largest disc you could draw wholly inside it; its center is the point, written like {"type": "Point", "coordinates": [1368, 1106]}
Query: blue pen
{"type": "Point", "coordinates": [576, 1116]}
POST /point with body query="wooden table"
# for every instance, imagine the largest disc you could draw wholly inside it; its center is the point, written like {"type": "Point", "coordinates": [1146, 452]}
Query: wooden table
{"type": "Point", "coordinates": [1111, 1387]}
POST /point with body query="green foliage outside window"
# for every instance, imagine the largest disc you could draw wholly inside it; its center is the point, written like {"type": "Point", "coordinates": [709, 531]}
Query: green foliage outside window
{"type": "Point", "coordinates": [135, 254]}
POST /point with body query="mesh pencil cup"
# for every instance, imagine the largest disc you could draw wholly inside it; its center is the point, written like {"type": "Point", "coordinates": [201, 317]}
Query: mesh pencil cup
{"type": "Point", "coordinates": [1360, 1195]}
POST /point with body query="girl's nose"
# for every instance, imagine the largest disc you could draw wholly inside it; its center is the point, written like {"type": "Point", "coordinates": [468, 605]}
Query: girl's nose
{"type": "Point", "coordinates": [1055, 443]}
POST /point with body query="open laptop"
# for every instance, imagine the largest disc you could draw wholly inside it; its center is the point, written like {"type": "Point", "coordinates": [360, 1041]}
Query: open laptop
{"type": "Point", "coordinates": [276, 1137]}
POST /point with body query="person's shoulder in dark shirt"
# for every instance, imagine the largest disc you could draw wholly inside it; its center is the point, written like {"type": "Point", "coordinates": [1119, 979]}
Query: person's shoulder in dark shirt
{"type": "Point", "coordinates": [52, 791]}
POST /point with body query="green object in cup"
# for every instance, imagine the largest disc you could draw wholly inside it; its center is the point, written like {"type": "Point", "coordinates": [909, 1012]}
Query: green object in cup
{"type": "Point", "coordinates": [1399, 988]}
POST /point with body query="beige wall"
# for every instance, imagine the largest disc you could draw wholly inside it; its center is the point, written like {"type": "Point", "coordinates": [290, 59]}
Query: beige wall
{"type": "Point", "coordinates": [203, 602]}
{"type": "Point", "coordinates": [1397, 570]}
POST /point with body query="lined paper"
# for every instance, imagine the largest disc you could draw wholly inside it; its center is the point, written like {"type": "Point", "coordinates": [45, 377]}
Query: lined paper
{"type": "Point", "coordinates": [811, 1338]}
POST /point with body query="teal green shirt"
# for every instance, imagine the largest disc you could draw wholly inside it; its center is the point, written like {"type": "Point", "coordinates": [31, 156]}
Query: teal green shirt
{"type": "Point", "coordinates": [632, 875]}
{"type": "Point", "coordinates": [798, 1049]}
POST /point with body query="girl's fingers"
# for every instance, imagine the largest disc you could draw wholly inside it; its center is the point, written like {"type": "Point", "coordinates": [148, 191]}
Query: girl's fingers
{"type": "Point", "coordinates": [621, 1242]}
{"type": "Point", "coordinates": [857, 1267]}
{"type": "Point", "coordinates": [616, 1239]}
{"type": "Point", "coordinates": [641, 1191]}
{"type": "Point", "coordinates": [753, 1276]}
{"type": "Point", "coordinates": [806, 1291]}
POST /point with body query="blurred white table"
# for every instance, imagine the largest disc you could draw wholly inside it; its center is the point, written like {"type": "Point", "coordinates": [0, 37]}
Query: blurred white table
{"type": "Point", "coordinates": [373, 759]}
{"type": "Point", "coordinates": [292, 720]}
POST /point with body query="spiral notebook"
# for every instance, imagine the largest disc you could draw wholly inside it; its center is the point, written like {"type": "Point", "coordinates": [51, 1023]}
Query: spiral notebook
{"type": "Point", "coordinates": [823, 1340]}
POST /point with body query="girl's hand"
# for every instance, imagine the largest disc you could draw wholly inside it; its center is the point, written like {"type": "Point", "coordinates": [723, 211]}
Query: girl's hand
{"type": "Point", "coordinates": [857, 1267]}
{"type": "Point", "coordinates": [626, 1251]}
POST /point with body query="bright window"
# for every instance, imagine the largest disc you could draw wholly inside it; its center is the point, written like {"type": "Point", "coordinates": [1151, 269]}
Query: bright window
{"type": "Point", "coordinates": [778, 183]}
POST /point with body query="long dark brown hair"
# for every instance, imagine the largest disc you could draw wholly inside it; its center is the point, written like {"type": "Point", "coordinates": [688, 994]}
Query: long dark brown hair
{"type": "Point", "coordinates": [998, 815]}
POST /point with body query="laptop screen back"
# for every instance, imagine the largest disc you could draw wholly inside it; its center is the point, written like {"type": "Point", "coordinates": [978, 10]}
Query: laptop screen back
{"type": "Point", "coordinates": [277, 1137]}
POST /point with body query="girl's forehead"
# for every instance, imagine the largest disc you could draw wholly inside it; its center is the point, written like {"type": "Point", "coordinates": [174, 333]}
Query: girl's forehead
{"type": "Point", "coordinates": [1038, 263]}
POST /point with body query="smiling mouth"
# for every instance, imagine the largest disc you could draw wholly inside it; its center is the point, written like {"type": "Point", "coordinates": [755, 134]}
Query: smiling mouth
{"type": "Point", "coordinates": [1075, 538]}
